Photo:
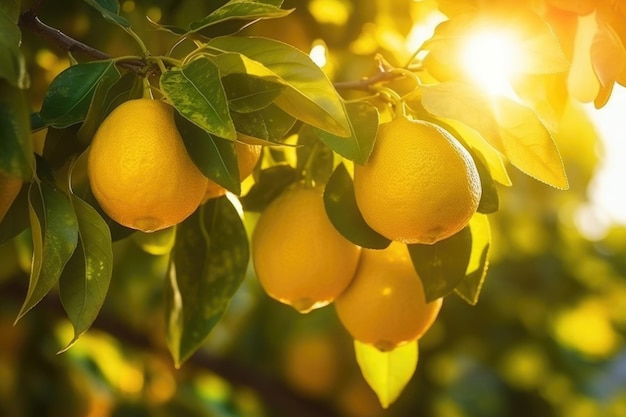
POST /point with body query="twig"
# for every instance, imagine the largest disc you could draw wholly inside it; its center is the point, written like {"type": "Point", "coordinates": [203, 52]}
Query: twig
{"type": "Point", "coordinates": [29, 21]}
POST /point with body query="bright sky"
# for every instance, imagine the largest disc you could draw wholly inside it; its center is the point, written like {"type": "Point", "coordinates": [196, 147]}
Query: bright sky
{"type": "Point", "coordinates": [607, 191]}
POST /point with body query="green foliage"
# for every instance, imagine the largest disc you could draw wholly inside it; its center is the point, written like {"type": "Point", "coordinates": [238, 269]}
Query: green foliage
{"type": "Point", "coordinates": [228, 83]}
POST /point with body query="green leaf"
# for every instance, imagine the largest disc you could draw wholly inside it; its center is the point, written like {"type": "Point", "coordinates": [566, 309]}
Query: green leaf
{"type": "Point", "coordinates": [469, 288]}
{"type": "Point", "coordinates": [309, 96]}
{"type": "Point", "coordinates": [239, 9]}
{"type": "Point", "coordinates": [387, 373]}
{"type": "Point", "coordinates": [16, 149]}
{"type": "Point", "coordinates": [270, 184]}
{"type": "Point", "coordinates": [68, 98]}
{"type": "Point", "coordinates": [441, 266]}
{"type": "Point", "coordinates": [128, 87]}
{"type": "Point", "coordinates": [55, 235]}
{"type": "Point", "coordinates": [248, 94]}
{"type": "Point", "coordinates": [97, 108]}
{"type": "Point", "coordinates": [270, 124]}
{"type": "Point", "coordinates": [215, 157]}
{"type": "Point", "coordinates": [11, 9]}
{"type": "Point", "coordinates": [511, 128]}
{"type": "Point", "coordinates": [110, 10]}
{"type": "Point", "coordinates": [210, 259]}
{"type": "Point", "coordinates": [313, 157]}
{"type": "Point", "coordinates": [197, 93]}
{"type": "Point", "coordinates": [12, 63]}
{"type": "Point", "coordinates": [363, 119]}
{"type": "Point", "coordinates": [16, 219]}
{"type": "Point", "coordinates": [344, 214]}
{"type": "Point", "coordinates": [85, 280]}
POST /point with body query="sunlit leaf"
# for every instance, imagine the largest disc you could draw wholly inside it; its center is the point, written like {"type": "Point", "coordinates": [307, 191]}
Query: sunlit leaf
{"type": "Point", "coordinates": [55, 235]}
{"type": "Point", "coordinates": [239, 9]}
{"type": "Point", "coordinates": [85, 279]}
{"type": "Point", "coordinates": [248, 94]}
{"type": "Point", "coordinates": [68, 98]}
{"type": "Point", "coordinates": [511, 128]}
{"type": "Point", "coordinates": [209, 262]}
{"type": "Point", "coordinates": [215, 157]}
{"type": "Point", "coordinates": [470, 286]}
{"type": "Point", "coordinates": [363, 119]}
{"type": "Point", "coordinates": [309, 96]}
{"type": "Point", "coordinates": [608, 55]}
{"type": "Point", "coordinates": [110, 10]}
{"type": "Point", "coordinates": [197, 93]}
{"type": "Point", "coordinates": [387, 373]}
{"type": "Point", "coordinates": [442, 265]}
{"type": "Point", "coordinates": [344, 214]}
{"type": "Point", "coordinates": [16, 149]}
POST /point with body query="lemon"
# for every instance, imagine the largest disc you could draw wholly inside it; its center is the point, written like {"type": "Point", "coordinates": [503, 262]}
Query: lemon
{"type": "Point", "coordinates": [385, 305]}
{"type": "Point", "coordinates": [300, 258]}
{"type": "Point", "coordinates": [419, 186]}
{"type": "Point", "coordinates": [247, 158]}
{"type": "Point", "coordinates": [139, 169]}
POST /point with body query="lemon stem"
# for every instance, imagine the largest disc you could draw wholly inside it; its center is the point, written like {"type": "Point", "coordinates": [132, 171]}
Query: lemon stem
{"type": "Point", "coordinates": [394, 99]}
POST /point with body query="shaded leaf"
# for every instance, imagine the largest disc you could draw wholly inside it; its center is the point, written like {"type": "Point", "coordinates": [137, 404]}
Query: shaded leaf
{"type": "Point", "coordinates": [387, 373]}
{"type": "Point", "coordinates": [12, 63]}
{"type": "Point", "coordinates": [470, 286]}
{"type": "Point", "coordinates": [247, 94]}
{"type": "Point", "coordinates": [61, 144]}
{"type": "Point", "coordinates": [313, 157]}
{"type": "Point", "coordinates": [239, 9]}
{"type": "Point", "coordinates": [16, 149]}
{"type": "Point", "coordinates": [442, 265]}
{"type": "Point", "coordinates": [310, 95]}
{"type": "Point", "coordinates": [68, 98]}
{"type": "Point", "coordinates": [344, 213]}
{"type": "Point", "coordinates": [363, 119]}
{"type": "Point", "coordinates": [110, 10]}
{"type": "Point", "coordinates": [215, 157]}
{"type": "Point", "coordinates": [270, 184]}
{"type": "Point", "coordinates": [270, 124]}
{"type": "Point", "coordinates": [85, 280]}
{"type": "Point", "coordinates": [16, 219]}
{"type": "Point", "coordinates": [209, 262]}
{"type": "Point", "coordinates": [97, 107]}
{"type": "Point", "coordinates": [197, 93]}
{"type": "Point", "coordinates": [54, 230]}
{"type": "Point", "coordinates": [128, 87]}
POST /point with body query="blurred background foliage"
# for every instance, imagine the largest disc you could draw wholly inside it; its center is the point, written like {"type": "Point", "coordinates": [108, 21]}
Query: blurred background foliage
{"type": "Point", "coordinates": [546, 338]}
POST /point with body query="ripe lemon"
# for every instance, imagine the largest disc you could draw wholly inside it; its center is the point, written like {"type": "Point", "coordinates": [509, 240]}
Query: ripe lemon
{"type": "Point", "coordinates": [384, 305]}
{"type": "Point", "coordinates": [419, 186]}
{"type": "Point", "coordinates": [139, 169]}
{"type": "Point", "coordinates": [247, 158]}
{"type": "Point", "coordinates": [9, 189]}
{"type": "Point", "coordinates": [300, 258]}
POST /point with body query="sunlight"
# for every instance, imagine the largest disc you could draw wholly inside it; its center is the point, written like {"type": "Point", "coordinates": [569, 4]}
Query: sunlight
{"type": "Point", "coordinates": [491, 58]}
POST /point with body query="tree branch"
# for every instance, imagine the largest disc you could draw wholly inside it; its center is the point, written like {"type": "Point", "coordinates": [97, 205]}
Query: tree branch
{"type": "Point", "coordinates": [29, 21]}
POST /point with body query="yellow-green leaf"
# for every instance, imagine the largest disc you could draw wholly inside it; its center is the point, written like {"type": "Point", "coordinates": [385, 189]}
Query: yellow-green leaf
{"type": "Point", "coordinates": [469, 288]}
{"type": "Point", "coordinates": [387, 373]}
{"type": "Point", "coordinates": [608, 55]}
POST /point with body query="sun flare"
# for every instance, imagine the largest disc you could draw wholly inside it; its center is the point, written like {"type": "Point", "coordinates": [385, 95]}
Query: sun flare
{"type": "Point", "coordinates": [491, 58]}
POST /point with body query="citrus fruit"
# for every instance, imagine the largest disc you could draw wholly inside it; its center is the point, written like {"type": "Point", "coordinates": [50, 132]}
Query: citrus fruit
{"type": "Point", "coordinates": [385, 305]}
{"type": "Point", "coordinates": [9, 189]}
{"type": "Point", "coordinates": [139, 169]}
{"type": "Point", "coordinates": [419, 186]}
{"type": "Point", "coordinates": [300, 258]}
{"type": "Point", "coordinates": [247, 158]}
